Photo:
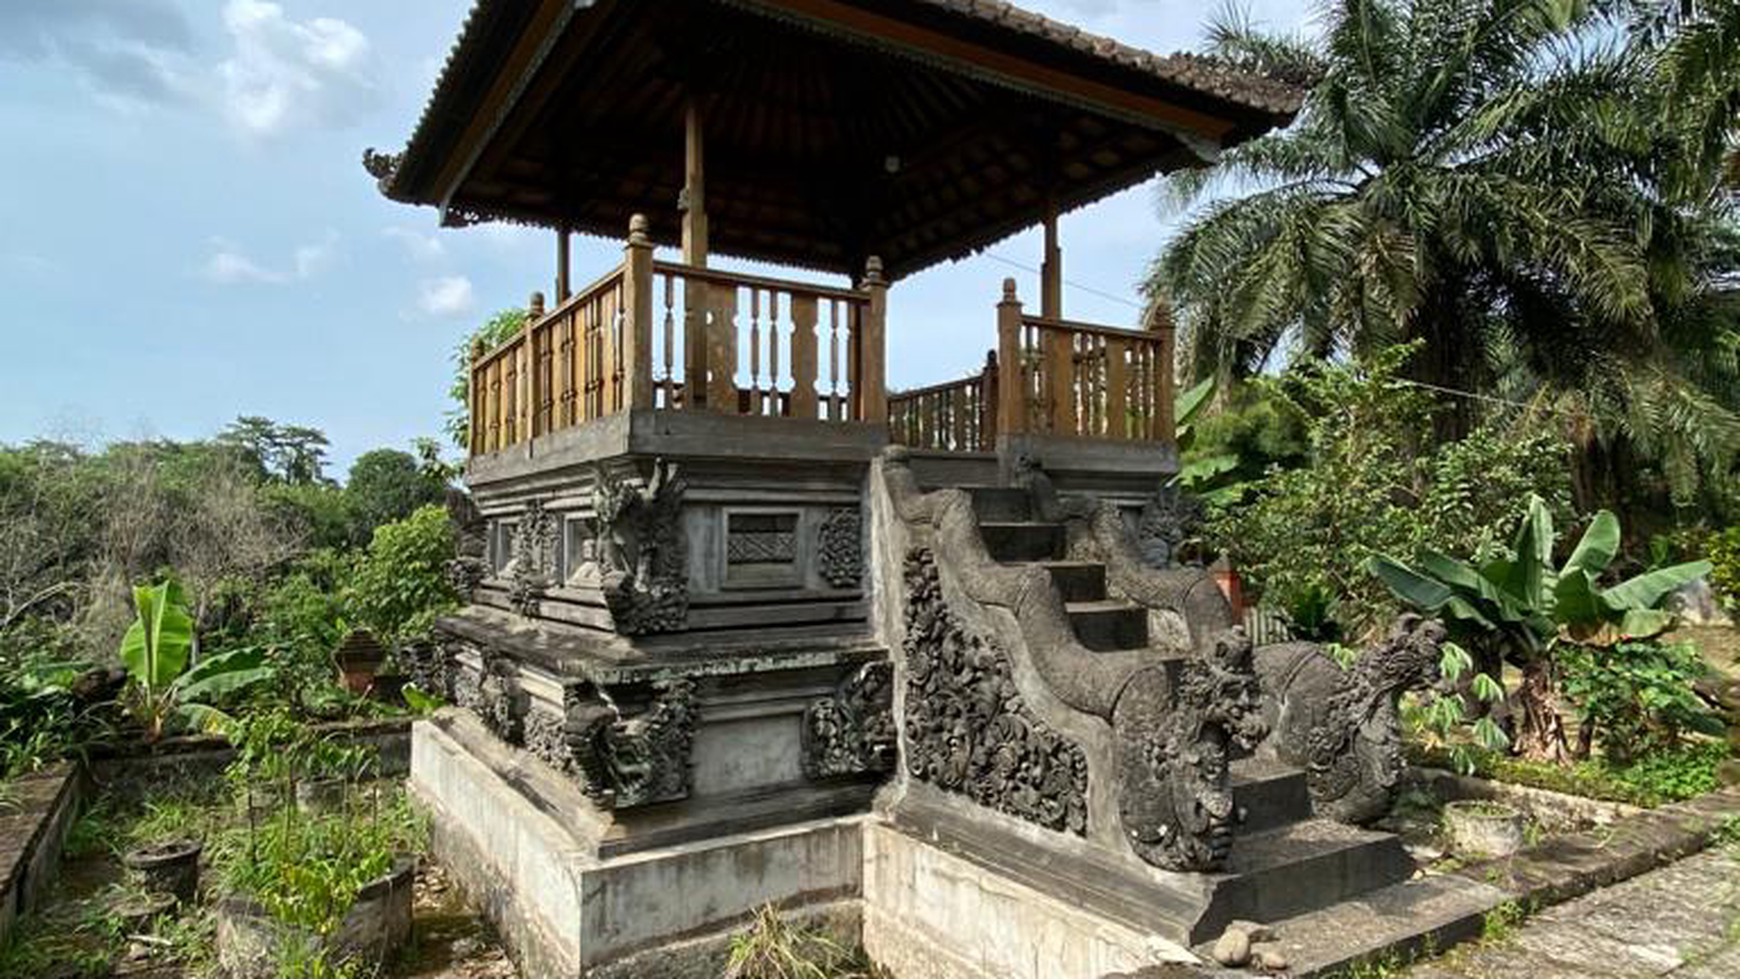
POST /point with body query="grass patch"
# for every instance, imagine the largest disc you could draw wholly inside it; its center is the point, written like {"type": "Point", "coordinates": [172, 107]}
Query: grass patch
{"type": "Point", "coordinates": [1653, 780]}
{"type": "Point", "coordinates": [774, 948]}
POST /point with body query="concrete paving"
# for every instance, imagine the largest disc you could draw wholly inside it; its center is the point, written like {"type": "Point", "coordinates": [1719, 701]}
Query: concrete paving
{"type": "Point", "coordinates": [1681, 921]}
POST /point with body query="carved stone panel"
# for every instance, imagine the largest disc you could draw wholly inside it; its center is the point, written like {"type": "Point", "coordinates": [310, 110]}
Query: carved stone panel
{"type": "Point", "coordinates": [533, 567]}
{"type": "Point", "coordinates": [968, 730]}
{"type": "Point", "coordinates": [638, 761]}
{"type": "Point", "coordinates": [840, 548]}
{"type": "Point", "coordinates": [852, 732]}
{"type": "Point", "coordinates": [641, 559]}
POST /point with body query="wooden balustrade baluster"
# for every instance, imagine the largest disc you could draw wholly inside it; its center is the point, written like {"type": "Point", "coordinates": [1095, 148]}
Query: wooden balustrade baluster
{"type": "Point", "coordinates": [834, 360]}
{"type": "Point", "coordinates": [774, 382]}
{"type": "Point", "coordinates": [670, 357]}
{"type": "Point", "coordinates": [756, 406]}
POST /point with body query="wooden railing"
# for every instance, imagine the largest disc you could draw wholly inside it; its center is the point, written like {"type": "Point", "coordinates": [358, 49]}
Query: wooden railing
{"type": "Point", "coordinates": [1084, 380]}
{"type": "Point", "coordinates": [959, 416]}
{"type": "Point", "coordinates": [723, 342]}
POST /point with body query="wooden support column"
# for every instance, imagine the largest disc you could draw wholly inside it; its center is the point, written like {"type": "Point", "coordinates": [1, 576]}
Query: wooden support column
{"type": "Point", "coordinates": [1011, 382]}
{"type": "Point", "coordinates": [525, 380]}
{"type": "Point", "coordinates": [870, 386]}
{"type": "Point", "coordinates": [478, 416]}
{"type": "Point", "coordinates": [1051, 268]}
{"type": "Point", "coordinates": [694, 201]}
{"type": "Point", "coordinates": [1165, 381]}
{"type": "Point", "coordinates": [637, 307]}
{"type": "Point", "coordinates": [564, 288]}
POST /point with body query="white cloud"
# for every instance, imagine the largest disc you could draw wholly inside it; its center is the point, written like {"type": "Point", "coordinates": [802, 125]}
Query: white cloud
{"type": "Point", "coordinates": [230, 265]}
{"type": "Point", "coordinates": [421, 247]}
{"type": "Point", "coordinates": [286, 74]}
{"type": "Point", "coordinates": [447, 296]}
{"type": "Point", "coordinates": [128, 52]}
{"type": "Point", "coordinates": [311, 260]}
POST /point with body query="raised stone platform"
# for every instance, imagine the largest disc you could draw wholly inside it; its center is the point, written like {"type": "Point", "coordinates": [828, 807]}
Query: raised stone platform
{"type": "Point", "coordinates": [515, 836]}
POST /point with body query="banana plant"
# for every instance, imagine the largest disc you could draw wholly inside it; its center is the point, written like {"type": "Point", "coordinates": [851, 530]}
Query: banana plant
{"type": "Point", "coordinates": [1533, 604]}
{"type": "Point", "coordinates": [1522, 606]}
{"type": "Point", "coordinates": [156, 650]}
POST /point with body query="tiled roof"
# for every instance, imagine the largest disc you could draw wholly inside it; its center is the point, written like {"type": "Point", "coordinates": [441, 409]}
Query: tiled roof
{"type": "Point", "coordinates": [1189, 70]}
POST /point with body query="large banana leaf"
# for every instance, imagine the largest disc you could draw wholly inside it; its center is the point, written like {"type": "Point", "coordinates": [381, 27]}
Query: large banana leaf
{"type": "Point", "coordinates": [1649, 589]}
{"type": "Point", "coordinates": [1186, 406]}
{"type": "Point", "coordinates": [216, 677]}
{"type": "Point", "coordinates": [1597, 548]}
{"type": "Point", "coordinates": [1410, 586]}
{"type": "Point", "coordinates": [1577, 603]}
{"type": "Point", "coordinates": [1527, 574]}
{"type": "Point", "coordinates": [158, 643]}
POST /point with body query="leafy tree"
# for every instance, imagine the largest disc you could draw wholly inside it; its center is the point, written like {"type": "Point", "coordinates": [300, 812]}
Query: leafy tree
{"type": "Point", "coordinates": [289, 454]}
{"type": "Point", "coordinates": [387, 485]}
{"type": "Point", "coordinates": [401, 585]}
{"type": "Point", "coordinates": [1491, 177]}
{"type": "Point", "coordinates": [1303, 535]}
{"type": "Point", "coordinates": [494, 332]}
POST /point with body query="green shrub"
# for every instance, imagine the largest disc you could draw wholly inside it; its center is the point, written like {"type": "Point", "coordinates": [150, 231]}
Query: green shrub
{"type": "Point", "coordinates": [1372, 487]}
{"type": "Point", "coordinates": [1724, 554]}
{"type": "Point", "coordinates": [1638, 695]}
{"type": "Point", "coordinates": [401, 585]}
{"type": "Point", "coordinates": [1655, 779]}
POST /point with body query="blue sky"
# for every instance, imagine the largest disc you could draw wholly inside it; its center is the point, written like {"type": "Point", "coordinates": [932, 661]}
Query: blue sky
{"type": "Point", "coordinates": [186, 234]}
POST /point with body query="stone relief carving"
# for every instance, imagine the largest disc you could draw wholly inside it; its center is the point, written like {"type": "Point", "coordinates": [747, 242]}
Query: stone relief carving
{"type": "Point", "coordinates": [470, 564]}
{"type": "Point", "coordinates": [1343, 726]}
{"type": "Point", "coordinates": [1177, 722]}
{"type": "Point", "coordinates": [1169, 519]}
{"type": "Point", "coordinates": [852, 732]}
{"type": "Point", "coordinates": [497, 696]}
{"type": "Point", "coordinates": [840, 548]}
{"type": "Point", "coordinates": [1176, 738]}
{"type": "Point", "coordinates": [427, 665]}
{"type": "Point", "coordinates": [636, 761]}
{"type": "Point", "coordinates": [637, 555]}
{"type": "Point", "coordinates": [968, 730]}
{"type": "Point", "coordinates": [534, 559]}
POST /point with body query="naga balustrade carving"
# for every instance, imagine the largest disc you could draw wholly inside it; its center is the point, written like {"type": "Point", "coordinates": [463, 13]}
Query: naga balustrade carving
{"type": "Point", "coordinates": [1174, 732]}
{"type": "Point", "coordinates": [1342, 725]}
{"type": "Point", "coordinates": [852, 732]}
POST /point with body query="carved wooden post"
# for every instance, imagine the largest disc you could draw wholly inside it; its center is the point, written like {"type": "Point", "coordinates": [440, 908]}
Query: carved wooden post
{"type": "Point", "coordinates": [477, 421]}
{"type": "Point", "coordinates": [990, 405]}
{"type": "Point", "coordinates": [871, 385]}
{"type": "Point", "coordinates": [1165, 422]}
{"type": "Point", "coordinates": [803, 357]}
{"type": "Point", "coordinates": [563, 289]}
{"type": "Point", "coordinates": [529, 393]}
{"type": "Point", "coordinates": [694, 200]}
{"type": "Point", "coordinates": [1011, 407]}
{"type": "Point", "coordinates": [637, 308]}
{"type": "Point", "coordinates": [1051, 269]}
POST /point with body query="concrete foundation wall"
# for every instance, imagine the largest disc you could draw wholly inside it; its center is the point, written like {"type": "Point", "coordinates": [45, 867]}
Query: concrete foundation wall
{"type": "Point", "coordinates": [564, 912]}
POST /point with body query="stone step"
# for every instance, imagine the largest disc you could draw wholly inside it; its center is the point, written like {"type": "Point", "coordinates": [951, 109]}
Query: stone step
{"type": "Point", "coordinates": [1300, 868]}
{"type": "Point", "coordinates": [1428, 915]}
{"type": "Point", "coordinates": [1107, 626]}
{"type": "Point", "coordinates": [1001, 503]}
{"type": "Point", "coordinates": [1270, 794]}
{"type": "Point", "coordinates": [1078, 581]}
{"type": "Point", "coordinates": [1014, 542]}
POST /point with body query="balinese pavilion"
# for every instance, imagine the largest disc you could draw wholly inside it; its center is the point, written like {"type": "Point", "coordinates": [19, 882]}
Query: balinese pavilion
{"type": "Point", "coordinates": [747, 628]}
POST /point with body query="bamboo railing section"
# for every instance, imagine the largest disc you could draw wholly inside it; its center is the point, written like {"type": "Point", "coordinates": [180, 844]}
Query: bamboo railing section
{"type": "Point", "coordinates": [723, 342]}
{"type": "Point", "coordinates": [957, 416]}
{"type": "Point", "coordinates": [1078, 379]}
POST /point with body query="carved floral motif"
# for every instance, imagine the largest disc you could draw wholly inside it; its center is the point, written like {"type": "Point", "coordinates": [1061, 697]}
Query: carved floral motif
{"type": "Point", "coordinates": [968, 730]}
{"type": "Point", "coordinates": [1169, 519]}
{"type": "Point", "coordinates": [840, 548]}
{"type": "Point", "coordinates": [852, 732]}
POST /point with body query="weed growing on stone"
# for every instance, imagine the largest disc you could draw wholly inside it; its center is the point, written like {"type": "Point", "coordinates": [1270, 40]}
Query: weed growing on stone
{"type": "Point", "coordinates": [1500, 923]}
{"type": "Point", "coordinates": [774, 948]}
{"type": "Point", "coordinates": [1387, 967]}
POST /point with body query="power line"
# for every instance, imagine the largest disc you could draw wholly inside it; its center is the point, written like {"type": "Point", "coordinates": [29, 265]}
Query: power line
{"type": "Point", "coordinates": [1068, 282]}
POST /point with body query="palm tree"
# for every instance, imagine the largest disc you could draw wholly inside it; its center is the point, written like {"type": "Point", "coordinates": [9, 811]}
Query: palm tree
{"type": "Point", "coordinates": [1489, 176]}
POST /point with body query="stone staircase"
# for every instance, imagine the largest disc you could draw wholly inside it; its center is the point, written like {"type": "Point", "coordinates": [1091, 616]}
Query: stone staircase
{"type": "Point", "coordinates": [1285, 862]}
